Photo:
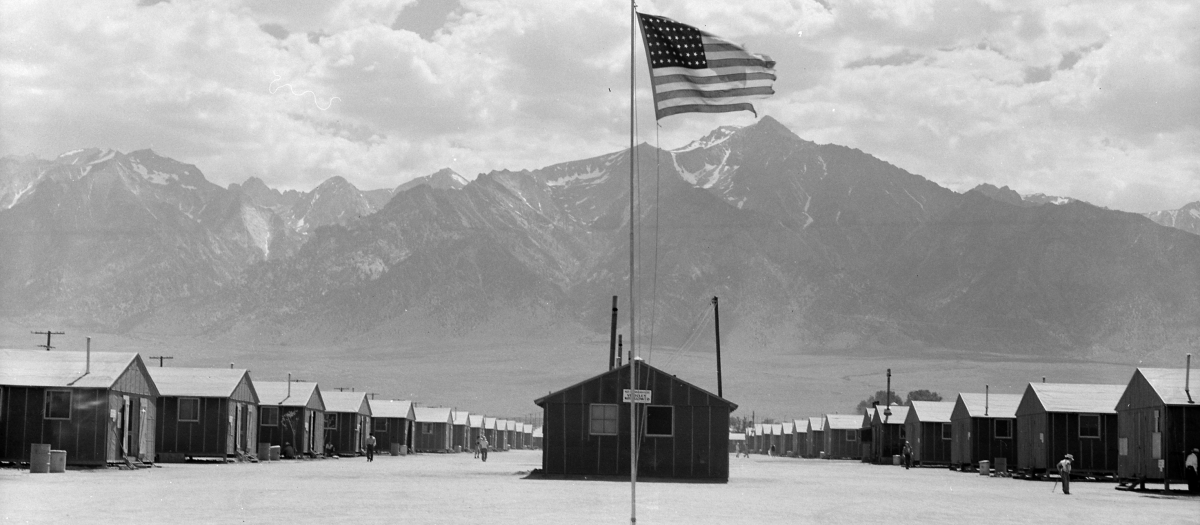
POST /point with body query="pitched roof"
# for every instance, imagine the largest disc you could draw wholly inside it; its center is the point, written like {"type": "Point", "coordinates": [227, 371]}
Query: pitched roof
{"type": "Point", "coordinates": [1168, 383]}
{"type": "Point", "coordinates": [537, 432]}
{"type": "Point", "coordinates": [777, 429]}
{"type": "Point", "coordinates": [528, 428]}
{"type": "Point", "coordinates": [198, 382]}
{"type": "Point", "coordinates": [276, 393]}
{"type": "Point", "coordinates": [489, 423]}
{"type": "Point", "coordinates": [432, 414]}
{"type": "Point", "coordinates": [1081, 398]}
{"type": "Point", "coordinates": [650, 369]}
{"type": "Point", "coordinates": [932, 411]}
{"type": "Point", "coordinates": [817, 423]}
{"type": "Point", "coordinates": [789, 428]}
{"type": "Point", "coordinates": [347, 402]}
{"type": "Point", "coordinates": [460, 417]}
{"type": "Point", "coordinates": [899, 414]}
{"type": "Point", "coordinates": [475, 420]}
{"type": "Point", "coordinates": [390, 408]}
{"type": "Point", "coordinates": [63, 369]}
{"type": "Point", "coordinates": [737, 436]}
{"type": "Point", "coordinates": [801, 426]}
{"type": "Point", "coordinates": [990, 405]}
{"type": "Point", "coordinates": [843, 421]}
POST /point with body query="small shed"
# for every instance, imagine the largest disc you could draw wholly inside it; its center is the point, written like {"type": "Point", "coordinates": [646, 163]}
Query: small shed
{"type": "Point", "coordinates": [864, 435]}
{"type": "Point", "coordinates": [537, 438]}
{"type": "Point", "coordinates": [461, 440]}
{"type": "Point", "coordinates": [754, 438]}
{"type": "Point", "coordinates": [347, 422]}
{"type": "Point", "coordinates": [985, 428]}
{"type": "Point", "coordinates": [684, 432]}
{"type": "Point", "coordinates": [489, 430]}
{"type": "Point", "coordinates": [888, 432]}
{"type": "Point", "coordinates": [736, 438]}
{"type": "Point", "coordinates": [501, 443]}
{"type": "Point", "coordinates": [97, 406]}
{"type": "Point", "coordinates": [434, 429]}
{"type": "Point", "coordinates": [205, 413]}
{"type": "Point", "coordinates": [1158, 422]}
{"type": "Point", "coordinates": [788, 439]}
{"type": "Point", "coordinates": [291, 412]}
{"type": "Point", "coordinates": [527, 436]}
{"type": "Point", "coordinates": [929, 431]}
{"type": "Point", "coordinates": [392, 424]}
{"type": "Point", "coordinates": [841, 436]}
{"type": "Point", "coordinates": [514, 439]}
{"type": "Point", "coordinates": [816, 436]}
{"type": "Point", "coordinates": [1056, 419]}
{"type": "Point", "coordinates": [475, 427]}
{"type": "Point", "coordinates": [800, 437]}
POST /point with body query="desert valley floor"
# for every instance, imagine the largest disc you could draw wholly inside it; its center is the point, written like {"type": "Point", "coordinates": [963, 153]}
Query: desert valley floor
{"type": "Point", "coordinates": [454, 488]}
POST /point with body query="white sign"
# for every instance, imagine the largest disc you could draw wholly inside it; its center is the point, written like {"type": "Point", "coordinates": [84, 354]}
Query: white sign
{"type": "Point", "coordinates": [639, 396]}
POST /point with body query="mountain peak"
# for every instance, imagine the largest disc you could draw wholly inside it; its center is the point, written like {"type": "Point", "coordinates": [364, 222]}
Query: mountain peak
{"type": "Point", "coordinates": [1006, 195]}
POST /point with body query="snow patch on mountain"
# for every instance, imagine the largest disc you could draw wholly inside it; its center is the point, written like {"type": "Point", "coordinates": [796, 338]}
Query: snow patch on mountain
{"type": "Point", "coordinates": [717, 136]}
{"type": "Point", "coordinates": [592, 176]}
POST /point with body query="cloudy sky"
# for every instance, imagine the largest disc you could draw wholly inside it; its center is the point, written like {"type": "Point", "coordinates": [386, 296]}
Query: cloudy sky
{"type": "Point", "coordinates": [1094, 100]}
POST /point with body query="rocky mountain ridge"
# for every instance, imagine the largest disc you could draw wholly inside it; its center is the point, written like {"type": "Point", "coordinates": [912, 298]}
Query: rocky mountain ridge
{"type": "Point", "coordinates": [809, 247]}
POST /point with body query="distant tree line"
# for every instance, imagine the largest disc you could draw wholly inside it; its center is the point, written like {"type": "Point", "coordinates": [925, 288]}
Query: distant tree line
{"type": "Point", "coordinates": [881, 397]}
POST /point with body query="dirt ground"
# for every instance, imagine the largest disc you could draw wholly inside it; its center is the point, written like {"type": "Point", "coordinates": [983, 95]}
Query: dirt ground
{"type": "Point", "coordinates": [455, 488]}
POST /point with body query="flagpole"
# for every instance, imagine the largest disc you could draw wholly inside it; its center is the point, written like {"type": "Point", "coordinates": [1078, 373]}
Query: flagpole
{"type": "Point", "coordinates": [632, 300]}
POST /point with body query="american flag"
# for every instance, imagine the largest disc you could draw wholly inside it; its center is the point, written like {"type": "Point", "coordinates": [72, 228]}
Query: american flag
{"type": "Point", "coordinates": [693, 71]}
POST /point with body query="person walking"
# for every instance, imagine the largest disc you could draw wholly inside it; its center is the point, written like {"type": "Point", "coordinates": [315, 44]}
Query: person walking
{"type": "Point", "coordinates": [1064, 472]}
{"type": "Point", "coordinates": [483, 447]}
{"type": "Point", "coordinates": [907, 453]}
{"type": "Point", "coordinates": [370, 447]}
{"type": "Point", "coordinates": [1191, 471]}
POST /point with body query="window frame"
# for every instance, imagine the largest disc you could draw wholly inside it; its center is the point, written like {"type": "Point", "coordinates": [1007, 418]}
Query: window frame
{"type": "Point", "coordinates": [375, 424]}
{"type": "Point", "coordinates": [179, 409]}
{"type": "Point", "coordinates": [331, 416]}
{"type": "Point", "coordinates": [1099, 431]}
{"type": "Point", "coordinates": [1008, 425]}
{"type": "Point", "coordinates": [672, 418]}
{"type": "Point", "coordinates": [947, 431]}
{"type": "Point", "coordinates": [426, 428]}
{"type": "Point", "coordinates": [592, 420]}
{"type": "Point", "coordinates": [266, 421]}
{"type": "Point", "coordinates": [852, 435]}
{"type": "Point", "coordinates": [46, 403]}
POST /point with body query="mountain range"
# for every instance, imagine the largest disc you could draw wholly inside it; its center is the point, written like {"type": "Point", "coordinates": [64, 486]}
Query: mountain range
{"type": "Point", "coordinates": [809, 247]}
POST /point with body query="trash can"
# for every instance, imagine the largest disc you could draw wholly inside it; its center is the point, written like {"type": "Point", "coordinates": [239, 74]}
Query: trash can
{"type": "Point", "coordinates": [264, 452]}
{"type": "Point", "coordinates": [896, 459]}
{"type": "Point", "coordinates": [823, 454]}
{"type": "Point", "coordinates": [395, 449]}
{"type": "Point", "coordinates": [985, 468]}
{"type": "Point", "coordinates": [274, 453]}
{"type": "Point", "coordinates": [458, 448]}
{"type": "Point", "coordinates": [39, 458]}
{"type": "Point", "coordinates": [58, 461]}
{"type": "Point", "coordinates": [403, 450]}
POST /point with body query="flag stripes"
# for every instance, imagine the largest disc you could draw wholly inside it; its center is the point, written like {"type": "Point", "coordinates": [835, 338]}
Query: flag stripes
{"type": "Point", "coordinates": [693, 71]}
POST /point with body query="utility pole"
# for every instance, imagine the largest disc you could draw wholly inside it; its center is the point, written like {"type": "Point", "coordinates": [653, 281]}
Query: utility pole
{"type": "Point", "coordinates": [47, 333]}
{"type": "Point", "coordinates": [160, 359]}
{"type": "Point", "coordinates": [372, 394]}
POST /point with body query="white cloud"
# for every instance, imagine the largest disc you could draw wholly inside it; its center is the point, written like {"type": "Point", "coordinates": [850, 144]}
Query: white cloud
{"type": "Point", "coordinates": [1055, 97]}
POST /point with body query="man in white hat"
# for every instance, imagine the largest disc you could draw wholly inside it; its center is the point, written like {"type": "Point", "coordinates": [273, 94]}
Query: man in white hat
{"type": "Point", "coordinates": [1064, 471]}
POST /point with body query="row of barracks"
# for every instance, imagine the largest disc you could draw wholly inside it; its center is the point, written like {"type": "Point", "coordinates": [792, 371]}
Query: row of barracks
{"type": "Point", "coordinates": [1141, 430]}
{"type": "Point", "coordinates": [109, 408]}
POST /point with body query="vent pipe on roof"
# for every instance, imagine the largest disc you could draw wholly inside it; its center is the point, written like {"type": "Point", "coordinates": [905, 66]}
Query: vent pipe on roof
{"type": "Point", "coordinates": [1043, 379]}
{"type": "Point", "coordinates": [88, 366]}
{"type": "Point", "coordinates": [289, 385]}
{"type": "Point", "coordinates": [1187, 380]}
{"type": "Point", "coordinates": [620, 349]}
{"type": "Point", "coordinates": [986, 390]}
{"type": "Point", "coordinates": [231, 366]}
{"type": "Point", "coordinates": [612, 338]}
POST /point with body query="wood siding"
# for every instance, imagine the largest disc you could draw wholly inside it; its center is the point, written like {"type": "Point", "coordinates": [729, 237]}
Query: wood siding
{"type": "Point", "coordinates": [1044, 438]}
{"type": "Point", "coordinates": [1178, 431]}
{"type": "Point", "coordinates": [84, 436]}
{"type": "Point", "coordinates": [837, 447]}
{"type": "Point", "coordinates": [438, 440]}
{"type": "Point", "coordinates": [929, 448]}
{"type": "Point", "coordinates": [697, 448]}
